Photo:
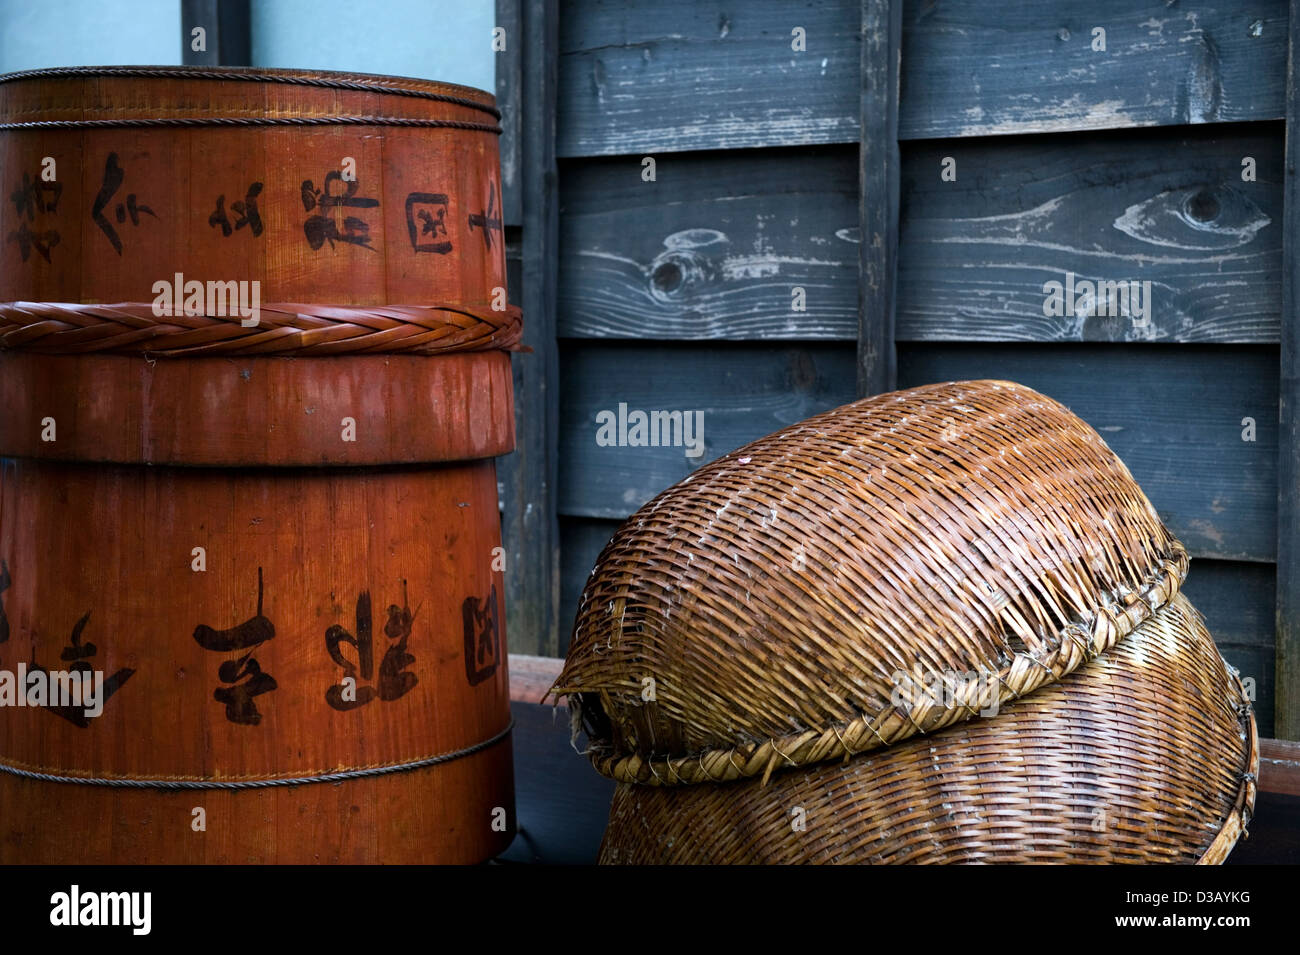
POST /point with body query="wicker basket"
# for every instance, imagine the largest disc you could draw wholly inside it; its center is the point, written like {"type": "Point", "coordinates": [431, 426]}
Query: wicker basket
{"type": "Point", "coordinates": [1146, 754]}
{"type": "Point", "coordinates": [760, 613]}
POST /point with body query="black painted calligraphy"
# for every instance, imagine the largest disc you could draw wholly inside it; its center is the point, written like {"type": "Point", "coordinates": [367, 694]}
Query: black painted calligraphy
{"type": "Point", "coordinates": [426, 222]}
{"type": "Point", "coordinates": [482, 637]}
{"type": "Point", "coordinates": [487, 220]}
{"type": "Point", "coordinates": [395, 681]}
{"type": "Point", "coordinates": [323, 227]}
{"type": "Point", "coordinates": [348, 695]}
{"type": "Point", "coordinates": [245, 210]}
{"type": "Point", "coordinates": [114, 176]}
{"type": "Point", "coordinates": [243, 676]}
{"type": "Point", "coordinates": [246, 681]}
{"type": "Point", "coordinates": [35, 197]}
{"type": "Point", "coordinates": [77, 655]}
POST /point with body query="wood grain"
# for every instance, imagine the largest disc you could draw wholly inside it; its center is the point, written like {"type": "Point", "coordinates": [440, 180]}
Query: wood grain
{"type": "Point", "coordinates": [531, 678]}
{"type": "Point", "coordinates": [116, 543]}
{"type": "Point", "coordinates": [1279, 767]}
{"type": "Point", "coordinates": [976, 252]}
{"type": "Point", "coordinates": [878, 210]}
{"type": "Point", "coordinates": [1174, 416]}
{"type": "Point", "coordinates": [1027, 66]}
{"type": "Point", "coordinates": [713, 249]}
{"type": "Point", "coordinates": [744, 391]}
{"type": "Point", "coordinates": [311, 247]}
{"type": "Point", "coordinates": [230, 592]}
{"type": "Point", "coordinates": [509, 92]}
{"type": "Point", "coordinates": [1288, 461]}
{"type": "Point", "coordinates": [442, 813]}
{"type": "Point", "coordinates": [1237, 600]}
{"type": "Point", "coordinates": [242, 412]}
{"type": "Point", "coordinates": [703, 75]}
{"type": "Point", "coordinates": [528, 485]}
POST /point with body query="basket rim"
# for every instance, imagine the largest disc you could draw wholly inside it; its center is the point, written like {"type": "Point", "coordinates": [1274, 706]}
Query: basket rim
{"type": "Point", "coordinates": [1078, 643]}
{"type": "Point", "coordinates": [1228, 828]}
{"type": "Point", "coordinates": [1234, 825]}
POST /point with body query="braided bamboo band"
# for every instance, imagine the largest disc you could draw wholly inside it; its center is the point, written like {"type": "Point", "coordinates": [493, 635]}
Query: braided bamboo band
{"type": "Point", "coordinates": [282, 329]}
{"type": "Point", "coordinates": [1083, 640]}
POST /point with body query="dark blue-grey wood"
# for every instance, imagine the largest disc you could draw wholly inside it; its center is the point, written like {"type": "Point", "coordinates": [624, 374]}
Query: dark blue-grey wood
{"type": "Point", "coordinates": [1288, 503]}
{"type": "Point", "coordinates": [878, 198]}
{"type": "Point", "coordinates": [692, 75]}
{"type": "Point", "coordinates": [1165, 206]}
{"type": "Point", "coordinates": [509, 78]}
{"type": "Point", "coordinates": [745, 391]}
{"type": "Point", "coordinates": [714, 248]}
{"type": "Point", "coordinates": [581, 541]}
{"type": "Point", "coordinates": [1237, 601]}
{"type": "Point", "coordinates": [227, 34]}
{"type": "Point", "coordinates": [973, 68]}
{"type": "Point", "coordinates": [1174, 415]}
{"type": "Point", "coordinates": [527, 478]}
{"type": "Point", "coordinates": [682, 75]}
{"type": "Point", "coordinates": [561, 803]}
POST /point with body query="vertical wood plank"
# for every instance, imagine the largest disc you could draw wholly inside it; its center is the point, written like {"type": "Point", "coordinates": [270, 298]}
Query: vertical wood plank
{"type": "Point", "coordinates": [509, 77]}
{"type": "Point", "coordinates": [529, 525]}
{"type": "Point", "coordinates": [879, 180]}
{"type": "Point", "coordinates": [228, 37]}
{"type": "Point", "coordinates": [1287, 712]}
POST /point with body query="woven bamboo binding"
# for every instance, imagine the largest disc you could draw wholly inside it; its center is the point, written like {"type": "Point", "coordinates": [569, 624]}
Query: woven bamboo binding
{"type": "Point", "coordinates": [770, 601]}
{"type": "Point", "coordinates": [1146, 754]}
{"type": "Point", "coordinates": [133, 328]}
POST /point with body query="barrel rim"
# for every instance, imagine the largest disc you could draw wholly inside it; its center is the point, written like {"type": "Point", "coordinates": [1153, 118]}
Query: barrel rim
{"type": "Point", "coordinates": [456, 94]}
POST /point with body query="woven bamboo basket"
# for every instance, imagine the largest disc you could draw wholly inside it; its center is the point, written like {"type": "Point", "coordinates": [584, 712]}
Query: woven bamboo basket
{"type": "Point", "coordinates": [759, 614]}
{"type": "Point", "coordinates": [1145, 754]}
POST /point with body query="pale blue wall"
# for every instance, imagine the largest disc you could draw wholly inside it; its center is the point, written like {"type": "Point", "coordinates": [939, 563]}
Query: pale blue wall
{"type": "Point", "coordinates": [39, 33]}
{"type": "Point", "coordinates": [430, 39]}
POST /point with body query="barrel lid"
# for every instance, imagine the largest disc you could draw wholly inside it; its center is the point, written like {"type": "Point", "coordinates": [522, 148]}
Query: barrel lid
{"type": "Point", "coordinates": [200, 94]}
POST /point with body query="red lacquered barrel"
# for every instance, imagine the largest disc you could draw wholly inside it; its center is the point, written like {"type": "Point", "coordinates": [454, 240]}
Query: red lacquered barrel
{"type": "Point", "coordinates": [273, 534]}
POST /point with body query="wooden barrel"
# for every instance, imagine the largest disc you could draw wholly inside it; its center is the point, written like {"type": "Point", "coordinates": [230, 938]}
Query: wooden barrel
{"type": "Point", "coordinates": [253, 361]}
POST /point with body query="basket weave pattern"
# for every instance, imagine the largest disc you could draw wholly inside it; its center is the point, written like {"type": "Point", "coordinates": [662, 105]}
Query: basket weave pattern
{"type": "Point", "coordinates": [774, 596]}
{"type": "Point", "coordinates": [1146, 754]}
